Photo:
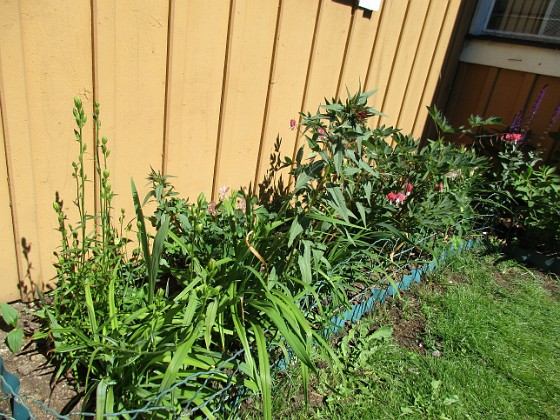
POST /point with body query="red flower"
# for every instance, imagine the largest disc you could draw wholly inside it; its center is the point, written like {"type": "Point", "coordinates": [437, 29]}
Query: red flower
{"type": "Point", "coordinates": [512, 137]}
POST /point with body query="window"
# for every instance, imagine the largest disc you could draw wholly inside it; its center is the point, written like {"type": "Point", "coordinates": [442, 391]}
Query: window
{"type": "Point", "coordinates": [537, 20]}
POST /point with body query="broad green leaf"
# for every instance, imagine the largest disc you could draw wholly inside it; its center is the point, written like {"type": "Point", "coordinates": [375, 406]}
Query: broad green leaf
{"type": "Point", "coordinates": [210, 321]}
{"type": "Point", "coordinates": [10, 315]}
{"type": "Point", "coordinates": [295, 230]}
{"type": "Point", "coordinates": [14, 339]}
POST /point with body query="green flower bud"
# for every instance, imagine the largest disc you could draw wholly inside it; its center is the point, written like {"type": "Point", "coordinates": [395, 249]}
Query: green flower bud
{"type": "Point", "coordinates": [198, 228]}
{"type": "Point", "coordinates": [106, 173]}
{"type": "Point", "coordinates": [56, 206]}
{"type": "Point", "coordinates": [77, 102]}
{"type": "Point", "coordinates": [212, 264]}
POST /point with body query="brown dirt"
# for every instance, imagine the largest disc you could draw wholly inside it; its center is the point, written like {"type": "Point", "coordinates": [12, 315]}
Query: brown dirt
{"type": "Point", "coordinates": [32, 369]}
{"type": "Point", "coordinates": [409, 323]}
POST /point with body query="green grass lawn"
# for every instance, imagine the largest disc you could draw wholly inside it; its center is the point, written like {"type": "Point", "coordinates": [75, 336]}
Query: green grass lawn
{"type": "Point", "coordinates": [478, 339]}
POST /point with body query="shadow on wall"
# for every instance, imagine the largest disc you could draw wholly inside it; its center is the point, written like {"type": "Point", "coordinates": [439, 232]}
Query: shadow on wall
{"type": "Point", "coordinates": [273, 187]}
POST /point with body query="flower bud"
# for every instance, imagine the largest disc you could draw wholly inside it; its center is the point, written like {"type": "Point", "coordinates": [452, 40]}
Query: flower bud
{"type": "Point", "coordinates": [77, 102]}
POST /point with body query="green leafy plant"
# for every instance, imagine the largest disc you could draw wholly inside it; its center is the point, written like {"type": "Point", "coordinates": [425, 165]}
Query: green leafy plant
{"type": "Point", "coordinates": [14, 338]}
{"type": "Point", "coordinates": [538, 194]}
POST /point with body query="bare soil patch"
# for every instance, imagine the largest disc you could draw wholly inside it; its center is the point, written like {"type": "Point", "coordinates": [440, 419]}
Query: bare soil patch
{"type": "Point", "coordinates": [38, 389]}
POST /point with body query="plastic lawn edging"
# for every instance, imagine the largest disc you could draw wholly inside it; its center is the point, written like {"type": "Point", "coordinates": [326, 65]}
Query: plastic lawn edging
{"type": "Point", "coordinates": [357, 311]}
{"type": "Point", "coordinates": [10, 386]}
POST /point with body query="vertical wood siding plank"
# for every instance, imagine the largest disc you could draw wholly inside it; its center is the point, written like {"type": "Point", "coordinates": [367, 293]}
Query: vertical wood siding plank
{"type": "Point", "coordinates": [434, 75]}
{"type": "Point", "coordinates": [405, 54]}
{"type": "Point", "coordinates": [418, 77]}
{"type": "Point", "coordinates": [48, 49]}
{"type": "Point", "coordinates": [287, 82]}
{"type": "Point", "coordinates": [9, 282]}
{"type": "Point", "coordinates": [131, 63]}
{"type": "Point", "coordinates": [382, 63]}
{"type": "Point", "coordinates": [247, 82]}
{"type": "Point", "coordinates": [197, 55]}
{"type": "Point", "coordinates": [328, 53]}
{"type": "Point", "coordinates": [362, 40]}
{"type": "Point", "coordinates": [504, 102]}
{"type": "Point", "coordinates": [467, 93]}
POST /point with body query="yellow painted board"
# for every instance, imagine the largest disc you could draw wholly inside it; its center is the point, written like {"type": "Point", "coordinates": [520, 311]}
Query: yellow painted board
{"type": "Point", "coordinates": [248, 71]}
{"type": "Point", "coordinates": [419, 73]}
{"type": "Point", "coordinates": [197, 54]}
{"type": "Point", "coordinates": [405, 55]}
{"type": "Point", "coordinates": [328, 54]}
{"type": "Point", "coordinates": [383, 58]}
{"type": "Point", "coordinates": [287, 84]}
{"type": "Point", "coordinates": [9, 280]}
{"type": "Point", "coordinates": [360, 47]}
{"type": "Point", "coordinates": [434, 76]}
{"type": "Point", "coordinates": [130, 50]}
{"type": "Point", "coordinates": [47, 47]}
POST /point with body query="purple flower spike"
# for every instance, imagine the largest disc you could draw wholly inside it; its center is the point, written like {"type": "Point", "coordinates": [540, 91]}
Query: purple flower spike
{"type": "Point", "coordinates": [515, 126]}
{"type": "Point", "coordinates": [537, 105]}
{"type": "Point", "coordinates": [554, 116]}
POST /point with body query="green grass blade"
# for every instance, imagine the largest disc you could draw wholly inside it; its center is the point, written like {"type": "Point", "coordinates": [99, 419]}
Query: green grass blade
{"type": "Point", "coordinates": [264, 371]}
{"type": "Point", "coordinates": [141, 226]}
{"type": "Point", "coordinates": [159, 242]}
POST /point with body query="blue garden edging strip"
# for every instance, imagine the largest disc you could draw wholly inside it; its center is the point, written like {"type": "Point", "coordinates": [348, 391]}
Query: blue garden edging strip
{"type": "Point", "coordinates": [10, 386]}
{"type": "Point", "coordinates": [357, 311]}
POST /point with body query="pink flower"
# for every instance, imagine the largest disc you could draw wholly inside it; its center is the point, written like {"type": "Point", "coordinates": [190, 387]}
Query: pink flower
{"type": "Point", "coordinates": [212, 208]}
{"type": "Point", "coordinates": [241, 205]}
{"type": "Point", "coordinates": [396, 198]}
{"type": "Point", "coordinates": [292, 124]}
{"type": "Point", "coordinates": [322, 133]}
{"type": "Point", "coordinates": [222, 191]}
{"type": "Point", "coordinates": [512, 137]}
{"type": "Point", "coordinates": [409, 188]}
{"type": "Point", "coordinates": [439, 187]}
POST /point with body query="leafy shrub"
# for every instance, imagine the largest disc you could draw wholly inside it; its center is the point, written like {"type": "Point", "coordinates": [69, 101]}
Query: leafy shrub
{"type": "Point", "coordinates": [225, 290]}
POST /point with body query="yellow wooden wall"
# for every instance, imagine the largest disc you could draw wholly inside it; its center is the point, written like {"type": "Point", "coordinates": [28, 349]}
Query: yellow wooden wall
{"type": "Point", "coordinates": [198, 89]}
{"type": "Point", "coordinates": [491, 91]}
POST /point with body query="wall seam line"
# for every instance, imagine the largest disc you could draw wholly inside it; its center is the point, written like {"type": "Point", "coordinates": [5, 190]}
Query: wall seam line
{"type": "Point", "coordinates": [225, 77]}
{"type": "Point", "coordinates": [414, 63]}
{"type": "Point", "coordinates": [167, 99]}
{"type": "Point", "coordinates": [373, 47]}
{"type": "Point", "coordinates": [11, 191]}
{"type": "Point", "coordinates": [268, 93]}
{"type": "Point", "coordinates": [431, 66]}
{"type": "Point", "coordinates": [345, 54]}
{"type": "Point", "coordinates": [389, 80]}
{"type": "Point", "coordinates": [307, 78]}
